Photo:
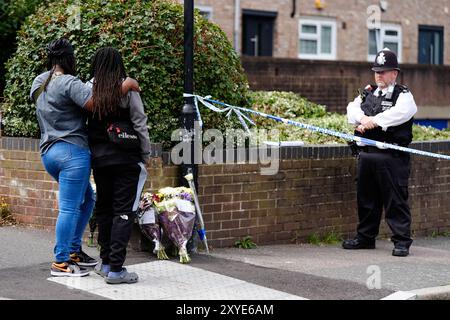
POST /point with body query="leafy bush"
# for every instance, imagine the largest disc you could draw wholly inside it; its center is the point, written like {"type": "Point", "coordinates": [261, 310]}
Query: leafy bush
{"type": "Point", "coordinates": [422, 133]}
{"type": "Point", "coordinates": [287, 105]}
{"type": "Point", "coordinates": [338, 122]}
{"type": "Point", "coordinates": [332, 121]}
{"type": "Point", "coordinates": [12, 14]}
{"type": "Point", "coordinates": [292, 106]}
{"type": "Point", "coordinates": [149, 35]}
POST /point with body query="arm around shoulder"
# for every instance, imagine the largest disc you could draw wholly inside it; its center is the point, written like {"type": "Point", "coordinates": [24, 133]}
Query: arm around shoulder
{"type": "Point", "coordinates": [79, 92]}
{"type": "Point", "coordinates": [130, 84]}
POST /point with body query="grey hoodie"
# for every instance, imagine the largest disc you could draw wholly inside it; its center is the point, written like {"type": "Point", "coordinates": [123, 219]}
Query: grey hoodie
{"type": "Point", "coordinates": [59, 110]}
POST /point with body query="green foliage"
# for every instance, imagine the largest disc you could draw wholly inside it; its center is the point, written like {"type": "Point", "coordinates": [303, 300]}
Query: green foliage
{"type": "Point", "coordinates": [4, 208]}
{"type": "Point", "coordinates": [332, 121]}
{"type": "Point", "coordinates": [436, 234]}
{"type": "Point", "coordinates": [149, 35]}
{"type": "Point", "coordinates": [245, 243]}
{"type": "Point", "coordinates": [314, 239]}
{"type": "Point", "coordinates": [12, 14]}
{"type": "Point", "coordinates": [287, 105]}
{"type": "Point", "coordinates": [422, 133]}
{"type": "Point", "coordinates": [328, 238]}
{"type": "Point", "coordinates": [332, 238]}
{"type": "Point", "coordinates": [292, 106]}
{"type": "Point", "coordinates": [6, 217]}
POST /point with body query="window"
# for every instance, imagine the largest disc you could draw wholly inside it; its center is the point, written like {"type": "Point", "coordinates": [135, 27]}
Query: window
{"type": "Point", "coordinates": [317, 38]}
{"type": "Point", "coordinates": [205, 11]}
{"type": "Point", "coordinates": [431, 45]}
{"type": "Point", "coordinates": [388, 36]}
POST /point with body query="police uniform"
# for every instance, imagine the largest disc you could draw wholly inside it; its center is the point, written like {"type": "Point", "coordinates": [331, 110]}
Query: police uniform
{"type": "Point", "coordinates": [383, 173]}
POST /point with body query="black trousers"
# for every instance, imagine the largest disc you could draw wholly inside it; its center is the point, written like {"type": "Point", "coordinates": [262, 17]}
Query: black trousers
{"type": "Point", "coordinates": [383, 183]}
{"type": "Point", "coordinates": [119, 189]}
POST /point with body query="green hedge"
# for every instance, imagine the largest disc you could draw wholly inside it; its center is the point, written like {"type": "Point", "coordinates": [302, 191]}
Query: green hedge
{"type": "Point", "coordinates": [149, 34]}
{"type": "Point", "coordinates": [284, 104]}
{"type": "Point", "coordinates": [292, 106]}
{"type": "Point", "coordinates": [12, 14]}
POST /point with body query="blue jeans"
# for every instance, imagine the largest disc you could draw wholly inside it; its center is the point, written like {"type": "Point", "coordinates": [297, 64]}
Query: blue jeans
{"type": "Point", "coordinates": [70, 166]}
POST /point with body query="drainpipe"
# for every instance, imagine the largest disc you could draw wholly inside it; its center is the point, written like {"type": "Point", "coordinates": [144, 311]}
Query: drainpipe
{"type": "Point", "coordinates": [237, 21]}
{"type": "Point", "coordinates": [294, 8]}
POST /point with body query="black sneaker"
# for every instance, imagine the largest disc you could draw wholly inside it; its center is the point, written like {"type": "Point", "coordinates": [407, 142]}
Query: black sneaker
{"type": "Point", "coordinates": [82, 259]}
{"type": "Point", "coordinates": [67, 269]}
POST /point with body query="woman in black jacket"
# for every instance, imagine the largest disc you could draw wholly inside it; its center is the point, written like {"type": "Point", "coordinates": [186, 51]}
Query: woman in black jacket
{"type": "Point", "coordinates": [119, 171]}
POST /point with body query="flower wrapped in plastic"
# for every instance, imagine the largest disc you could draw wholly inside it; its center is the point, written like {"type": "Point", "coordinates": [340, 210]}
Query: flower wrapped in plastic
{"type": "Point", "coordinates": [176, 213]}
{"type": "Point", "coordinates": [149, 224]}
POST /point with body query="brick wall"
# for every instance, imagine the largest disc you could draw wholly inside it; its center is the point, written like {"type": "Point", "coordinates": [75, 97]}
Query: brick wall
{"type": "Point", "coordinates": [314, 192]}
{"type": "Point", "coordinates": [335, 84]}
{"type": "Point", "coordinates": [32, 192]}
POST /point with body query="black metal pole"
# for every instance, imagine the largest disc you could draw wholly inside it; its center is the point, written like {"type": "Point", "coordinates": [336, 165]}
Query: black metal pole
{"type": "Point", "coordinates": [188, 112]}
{"type": "Point", "coordinates": [189, 46]}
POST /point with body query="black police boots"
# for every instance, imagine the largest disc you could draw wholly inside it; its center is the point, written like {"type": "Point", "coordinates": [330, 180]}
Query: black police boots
{"type": "Point", "coordinates": [400, 252]}
{"type": "Point", "coordinates": [353, 244]}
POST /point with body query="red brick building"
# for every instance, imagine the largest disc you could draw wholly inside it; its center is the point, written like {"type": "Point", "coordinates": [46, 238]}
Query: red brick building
{"type": "Point", "coordinates": [322, 49]}
{"type": "Point", "coordinates": [344, 30]}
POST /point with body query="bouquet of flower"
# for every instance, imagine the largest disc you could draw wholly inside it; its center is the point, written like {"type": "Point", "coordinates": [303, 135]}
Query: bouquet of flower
{"type": "Point", "coordinates": [176, 213]}
{"type": "Point", "coordinates": [148, 221]}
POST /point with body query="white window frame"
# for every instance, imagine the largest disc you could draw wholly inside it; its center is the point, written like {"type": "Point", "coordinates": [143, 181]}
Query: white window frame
{"type": "Point", "coordinates": [384, 38]}
{"type": "Point", "coordinates": [206, 11]}
{"type": "Point", "coordinates": [319, 23]}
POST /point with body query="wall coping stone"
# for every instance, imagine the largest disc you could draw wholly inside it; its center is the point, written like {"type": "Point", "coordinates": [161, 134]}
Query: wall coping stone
{"type": "Point", "coordinates": [328, 151]}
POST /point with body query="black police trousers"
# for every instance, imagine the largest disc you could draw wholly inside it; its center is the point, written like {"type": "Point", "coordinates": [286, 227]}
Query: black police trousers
{"type": "Point", "coordinates": [383, 183]}
{"type": "Point", "coordinates": [119, 189]}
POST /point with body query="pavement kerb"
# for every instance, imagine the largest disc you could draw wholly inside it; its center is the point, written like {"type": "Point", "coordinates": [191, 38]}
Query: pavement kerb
{"type": "Point", "coordinates": [401, 295]}
{"type": "Point", "coordinates": [434, 293]}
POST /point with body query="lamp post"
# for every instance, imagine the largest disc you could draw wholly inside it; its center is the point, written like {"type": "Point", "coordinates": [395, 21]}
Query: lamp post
{"type": "Point", "coordinates": [188, 111]}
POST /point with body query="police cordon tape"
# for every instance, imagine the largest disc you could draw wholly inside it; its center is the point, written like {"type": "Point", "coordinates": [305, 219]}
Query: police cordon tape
{"type": "Point", "coordinates": [239, 111]}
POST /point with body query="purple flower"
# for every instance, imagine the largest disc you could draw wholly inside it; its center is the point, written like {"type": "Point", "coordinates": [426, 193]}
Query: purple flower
{"type": "Point", "coordinates": [186, 196]}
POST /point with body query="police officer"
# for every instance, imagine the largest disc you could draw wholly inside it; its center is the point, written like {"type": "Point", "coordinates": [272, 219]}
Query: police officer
{"type": "Point", "coordinates": [383, 112]}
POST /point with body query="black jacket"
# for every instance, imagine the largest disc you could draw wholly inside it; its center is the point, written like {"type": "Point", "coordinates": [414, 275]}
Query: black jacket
{"type": "Point", "coordinates": [104, 152]}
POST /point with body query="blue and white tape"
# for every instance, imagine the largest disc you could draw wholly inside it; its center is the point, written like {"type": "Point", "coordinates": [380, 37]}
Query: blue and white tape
{"type": "Point", "coordinates": [239, 111]}
{"type": "Point", "coordinates": [230, 109]}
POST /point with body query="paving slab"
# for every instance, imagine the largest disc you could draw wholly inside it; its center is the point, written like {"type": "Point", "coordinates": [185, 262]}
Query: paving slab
{"type": "Point", "coordinates": [278, 272]}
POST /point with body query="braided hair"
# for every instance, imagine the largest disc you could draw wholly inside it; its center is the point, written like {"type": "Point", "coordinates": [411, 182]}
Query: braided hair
{"type": "Point", "coordinates": [60, 52]}
{"type": "Point", "coordinates": [108, 71]}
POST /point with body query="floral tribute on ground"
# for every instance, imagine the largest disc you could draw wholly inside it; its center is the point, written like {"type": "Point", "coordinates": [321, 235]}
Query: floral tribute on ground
{"type": "Point", "coordinates": [168, 213]}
